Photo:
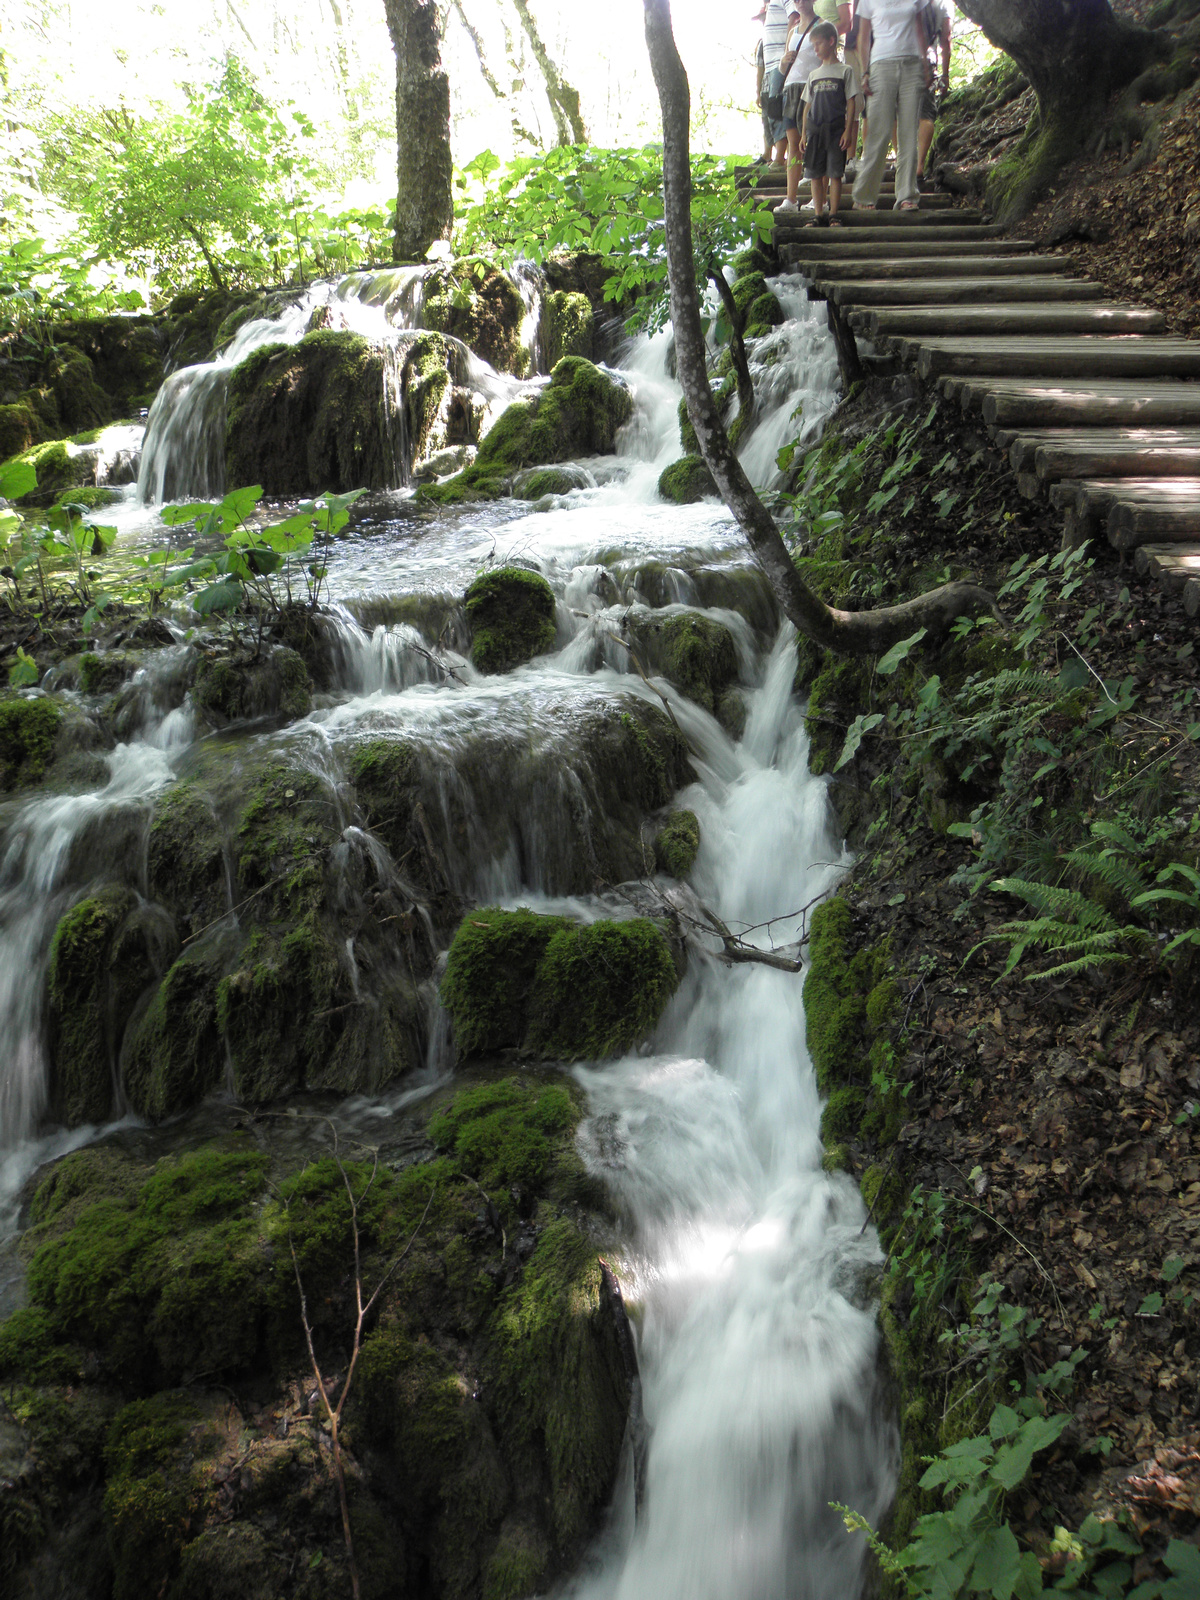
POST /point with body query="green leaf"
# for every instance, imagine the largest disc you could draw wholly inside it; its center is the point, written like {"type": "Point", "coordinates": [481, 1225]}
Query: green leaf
{"type": "Point", "coordinates": [1151, 1305]}
{"type": "Point", "coordinates": [1013, 1461]}
{"type": "Point", "coordinates": [854, 736]}
{"type": "Point", "coordinates": [997, 1567]}
{"type": "Point", "coordinates": [17, 478]}
{"type": "Point", "coordinates": [888, 664]}
{"type": "Point", "coordinates": [175, 516]}
{"type": "Point", "coordinates": [88, 621]}
{"type": "Point", "coordinates": [1183, 1561]}
{"type": "Point", "coordinates": [1004, 1422]}
{"type": "Point", "coordinates": [23, 672]}
{"type": "Point", "coordinates": [222, 596]}
{"type": "Point", "coordinates": [1171, 1268]}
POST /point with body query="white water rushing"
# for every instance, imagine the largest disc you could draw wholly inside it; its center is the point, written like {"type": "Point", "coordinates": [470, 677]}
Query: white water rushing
{"type": "Point", "coordinates": [746, 1267]}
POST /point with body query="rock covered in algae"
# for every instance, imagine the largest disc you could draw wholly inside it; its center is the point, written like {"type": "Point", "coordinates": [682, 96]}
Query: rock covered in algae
{"type": "Point", "coordinates": [553, 987]}
{"type": "Point", "coordinates": [158, 1381]}
{"type": "Point", "coordinates": [677, 843]}
{"type": "Point", "coordinates": [694, 652]}
{"type": "Point", "coordinates": [308, 417]}
{"type": "Point", "coordinates": [511, 616]}
{"type": "Point", "coordinates": [579, 413]}
{"type": "Point", "coordinates": [471, 299]}
{"type": "Point", "coordinates": [687, 481]}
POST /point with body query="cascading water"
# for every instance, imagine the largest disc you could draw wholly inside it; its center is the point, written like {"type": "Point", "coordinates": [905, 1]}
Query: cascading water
{"type": "Point", "coordinates": [747, 1264]}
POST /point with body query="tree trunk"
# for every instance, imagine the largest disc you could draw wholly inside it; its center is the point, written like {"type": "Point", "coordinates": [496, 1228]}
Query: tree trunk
{"type": "Point", "coordinates": [564, 100]}
{"type": "Point", "coordinates": [1075, 53]}
{"type": "Point", "coordinates": [425, 199]}
{"type": "Point", "coordinates": [854, 632]}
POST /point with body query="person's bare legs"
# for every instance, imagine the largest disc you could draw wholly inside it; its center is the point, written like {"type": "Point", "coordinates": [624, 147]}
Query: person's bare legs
{"type": "Point", "coordinates": [818, 191]}
{"type": "Point", "coordinates": [793, 163]}
{"type": "Point", "coordinates": [835, 195]}
{"type": "Point", "coordinates": [925, 132]}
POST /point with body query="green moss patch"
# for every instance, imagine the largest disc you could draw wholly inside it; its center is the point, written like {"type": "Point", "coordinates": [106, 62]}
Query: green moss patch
{"type": "Point", "coordinates": [600, 988]}
{"type": "Point", "coordinates": [28, 734]}
{"type": "Point", "coordinates": [233, 689]}
{"type": "Point", "coordinates": [698, 656]}
{"type": "Point", "coordinates": [173, 1055]}
{"type": "Point", "coordinates": [677, 843]}
{"type": "Point", "coordinates": [566, 326]}
{"type": "Point", "coordinates": [511, 613]}
{"type": "Point", "coordinates": [490, 969]}
{"type": "Point", "coordinates": [687, 481]}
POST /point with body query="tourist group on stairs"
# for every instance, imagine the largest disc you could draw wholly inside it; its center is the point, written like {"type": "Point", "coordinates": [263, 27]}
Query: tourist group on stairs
{"type": "Point", "coordinates": [812, 101]}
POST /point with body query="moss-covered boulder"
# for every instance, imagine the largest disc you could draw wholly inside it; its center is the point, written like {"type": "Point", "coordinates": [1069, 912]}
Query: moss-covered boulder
{"type": "Point", "coordinates": [308, 417]}
{"type": "Point", "coordinates": [481, 306]}
{"type": "Point", "coordinates": [21, 427]}
{"type": "Point", "coordinates": [103, 671]}
{"type": "Point", "coordinates": [240, 687]}
{"type": "Point", "coordinates": [566, 326]}
{"type": "Point", "coordinates": [173, 1054]}
{"type": "Point", "coordinates": [694, 652]}
{"type": "Point", "coordinates": [82, 403]}
{"type": "Point", "coordinates": [60, 464]}
{"type": "Point", "coordinates": [426, 384]}
{"type": "Point", "coordinates": [511, 615]}
{"type": "Point", "coordinates": [687, 434]}
{"type": "Point", "coordinates": [106, 952]}
{"type": "Point", "coordinates": [677, 843]}
{"type": "Point", "coordinates": [555, 988]}
{"type": "Point", "coordinates": [687, 481]}
{"type": "Point", "coordinates": [29, 732]}
{"type": "Point", "coordinates": [548, 480]}
{"type": "Point", "coordinates": [185, 858]}
{"type": "Point", "coordinates": [160, 1377]}
{"type": "Point", "coordinates": [579, 413]}
{"type": "Point", "coordinates": [126, 356]}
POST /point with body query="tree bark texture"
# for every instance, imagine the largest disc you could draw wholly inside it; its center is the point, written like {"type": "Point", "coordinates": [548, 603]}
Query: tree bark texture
{"type": "Point", "coordinates": [425, 198]}
{"type": "Point", "coordinates": [564, 100]}
{"type": "Point", "coordinates": [853, 632]}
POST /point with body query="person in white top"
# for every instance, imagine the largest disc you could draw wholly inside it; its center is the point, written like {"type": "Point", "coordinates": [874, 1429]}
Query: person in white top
{"type": "Point", "coordinates": [776, 26]}
{"type": "Point", "coordinates": [892, 46]}
{"type": "Point", "coordinates": [798, 61]}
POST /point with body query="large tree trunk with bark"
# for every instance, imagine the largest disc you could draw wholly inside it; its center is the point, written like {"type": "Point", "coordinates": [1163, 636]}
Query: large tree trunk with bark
{"type": "Point", "coordinates": [425, 199]}
{"type": "Point", "coordinates": [1075, 53]}
{"type": "Point", "coordinates": [854, 632]}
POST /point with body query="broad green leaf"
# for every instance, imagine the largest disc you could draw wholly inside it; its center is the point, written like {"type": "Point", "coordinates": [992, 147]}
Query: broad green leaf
{"type": "Point", "coordinates": [174, 516]}
{"type": "Point", "coordinates": [17, 478]}
{"type": "Point", "coordinates": [1013, 1460]}
{"type": "Point", "coordinates": [888, 664]}
{"type": "Point", "coordinates": [861, 726]}
{"type": "Point", "coordinates": [218, 597]}
{"type": "Point", "coordinates": [23, 672]}
{"type": "Point", "coordinates": [1004, 1421]}
{"type": "Point", "coordinates": [997, 1566]}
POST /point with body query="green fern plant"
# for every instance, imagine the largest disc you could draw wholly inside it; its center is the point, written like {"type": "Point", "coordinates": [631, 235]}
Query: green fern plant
{"type": "Point", "coordinates": [1082, 934]}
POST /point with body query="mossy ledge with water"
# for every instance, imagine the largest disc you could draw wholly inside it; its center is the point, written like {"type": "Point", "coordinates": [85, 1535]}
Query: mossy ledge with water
{"type": "Point", "coordinates": [161, 1399]}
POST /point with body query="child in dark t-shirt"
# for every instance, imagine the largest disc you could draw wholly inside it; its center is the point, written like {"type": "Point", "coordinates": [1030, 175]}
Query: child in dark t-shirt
{"type": "Point", "coordinates": [830, 127]}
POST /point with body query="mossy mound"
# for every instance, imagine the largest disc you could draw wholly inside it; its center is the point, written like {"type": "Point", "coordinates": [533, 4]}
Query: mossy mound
{"type": "Point", "coordinates": [687, 434]}
{"type": "Point", "coordinates": [511, 615]}
{"type": "Point", "coordinates": [841, 983]}
{"type": "Point", "coordinates": [483, 1431]}
{"type": "Point", "coordinates": [694, 652]}
{"type": "Point", "coordinates": [103, 672]}
{"type": "Point", "coordinates": [309, 417]}
{"type": "Point", "coordinates": [687, 481]}
{"type": "Point", "coordinates": [29, 731]}
{"type": "Point", "coordinates": [239, 688]}
{"type": "Point", "coordinates": [546, 480]}
{"type": "Point", "coordinates": [425, 379]}
{"type": "Point", "coordinates": [185, 858]}
{"type": "Point", "coordinates": [478, 304]}
{"type": "Point", "coordinates": [173, 1055]}
{"type": "Point", "coordinates": [578, 413]}
{"type": "Point", "coordinates": [21, 427]}
{"type": "Point", "coordinates": [677, 843]}
{"type": "Point", "coordinates": [90, 499]}
{"type": "Point", "coordinates": [106, 951]}
{"type": "Point", "coordinates": [60, 464]}
{"type": "Point", "coordinates": [555, 988]}
{"type": "Point", "coordinates": [566, 326]}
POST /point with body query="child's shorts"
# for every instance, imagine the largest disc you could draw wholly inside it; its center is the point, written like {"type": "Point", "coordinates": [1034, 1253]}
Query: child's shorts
{"type": "Point", "coordinates": [823, 155]}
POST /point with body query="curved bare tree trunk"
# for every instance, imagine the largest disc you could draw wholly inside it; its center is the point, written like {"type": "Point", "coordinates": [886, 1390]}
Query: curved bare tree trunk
{"type": "Point", "coordinates": [425, 199]}
{"type": "Point", "coordinates": [564, 100]}
{"type": "Point", "coordinates": [854, 632]}
{"type": "Point", "coordinates": [1075, 53]}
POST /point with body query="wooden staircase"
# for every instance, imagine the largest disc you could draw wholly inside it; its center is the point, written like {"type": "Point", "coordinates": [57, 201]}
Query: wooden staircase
{"type": "Point", "coordinates": [1097, 407]}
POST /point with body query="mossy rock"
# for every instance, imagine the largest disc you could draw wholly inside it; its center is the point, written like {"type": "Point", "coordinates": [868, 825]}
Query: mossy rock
{"type": "Point", "coordinates": [229, 689]}
{"type": "Point", "coordinates": [600, 989]}
{"type": "Point", "coordinates": [754, 260]}
{"type": "Point", "coordinates": [839, 692]}
{"type": "Point", "coordinates": [840, 980]}
{"type": "Point", "coordinates": [687, 481]}
{"type": "Point", "coordinates": [59, 465]}
{"type": "Point", "coordinates": [731, 712]}
{"type": "Point", "coordinates": [82, 403]}
{"type": "Point", "coordinates": [29, 731]}
{"type": "Point", "coordinates": [106, 951]}
{"type": "Point", "coordinates": [185, 859]}
{"type": "Point", "coordinates": [173, 1054]}
{"type": "Point", "coordinates": [105, 671]}
{"type": "Point", "coordinates": [566, 326]}
{"type": "Point", "coordinates": [309, 417]}
{"type": "Point", "coordinates": [842, 1115]}
{"type": "Point", "coordinates": [763, 314]}
{"type": "Point", "coordinates": [478, 304]}
{"type": "Point", "coordinates": [21, 427]}
{"type": "Point", "coordinates": [546, 480]}
{"type": "Point", "coordinates": [490, 970]}
{"type": "Point", "coordinates": [91, 499]}
{"type": "Point", "coordinates": [511, 615]}
{"type": "Point", "coordinates": [286, 825]}
{"type": "Point", "coordinates": [578, 413]}
{"type": "Point", "coordinates": [694, 652]}
{"type": "Point", "coordinates": [425, 377]}
{"type": "Point", "coordinates": [510, 1132]}
{"type": "Point", "coordinates": [677, 843]}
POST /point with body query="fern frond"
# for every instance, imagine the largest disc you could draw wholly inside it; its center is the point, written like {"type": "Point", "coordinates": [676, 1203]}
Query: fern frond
{"type": "Point", "coordinates": [1109, 867]}
{"type": "Point", "coordinates": [1066, 906]}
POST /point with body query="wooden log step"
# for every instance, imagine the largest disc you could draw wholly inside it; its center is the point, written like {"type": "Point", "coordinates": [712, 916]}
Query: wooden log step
{"type": "Point", "coordinates": [838, 245]}
{"type": "Point", "coordinates": [871, 230]}
{"type": "Point", "coordinates": [1103, 316]}
{"type": "Point", "coordinates": [1176, 567]}
{"type": "Point", "coordinates": [1045, 402]}
{"type": "Point", "coordinates": [1108, 453]}
{"type": "Point", "coordinates": [1072, 356]}
{"type": "Point", "coordinates": [1170, 515]}
{"type": "Point", "coordinates": [956, 291]}
{"type": "Point", "coordinates": [1088, 502]}
{"type": "Point", "coordinates": [926, 217]}
{"type": "Point", "coordinates": [874, 270]}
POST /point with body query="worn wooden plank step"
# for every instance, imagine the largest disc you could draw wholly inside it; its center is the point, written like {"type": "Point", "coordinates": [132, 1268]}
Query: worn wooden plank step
{"type": "Point", "coordinates": [839, 245]}
{"type": "Point", "coordinates": [875, 270]}
{"type": "Point", "coordinates": [1047, 402]}
{"type": "Point", "coordinates": [1102, 316]}
{"type": "Point", "coordinates": [1088, 502]}
{"type": "Point", "coordinates": [955, 291]}
{"type": "Point", "coordinates": [1071, 356]}
{"type": "Point", "coordinates": [1108, 453]}
{"type": "Point", "coordinates": [1171, 516]}
{"type": "Point", "coordinates": [872, 229]}
{"type": "Point", "coordinates": [1177, 568]}
{"type": "Point", "coordinates": [884, 206]}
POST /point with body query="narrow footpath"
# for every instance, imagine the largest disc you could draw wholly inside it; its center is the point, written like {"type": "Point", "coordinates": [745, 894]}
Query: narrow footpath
{"type": "Point", "coordinates": [1096, 407]}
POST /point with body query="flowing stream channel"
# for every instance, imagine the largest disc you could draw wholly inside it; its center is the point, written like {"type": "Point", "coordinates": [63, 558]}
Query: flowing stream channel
{"type": "Point", "coordinates": [744, 1260]}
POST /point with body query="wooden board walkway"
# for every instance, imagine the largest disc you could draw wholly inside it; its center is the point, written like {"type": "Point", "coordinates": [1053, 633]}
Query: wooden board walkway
{"type": "Point", "coordinates": [1096, 405]}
